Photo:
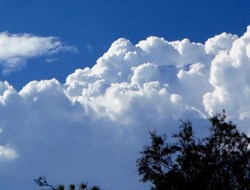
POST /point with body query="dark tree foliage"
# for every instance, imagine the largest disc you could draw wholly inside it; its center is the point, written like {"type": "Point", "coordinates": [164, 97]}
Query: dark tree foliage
{"type": "Point", "coordinates": [42, 182]}
{"type": "Point", "coordinates": [220, 161]}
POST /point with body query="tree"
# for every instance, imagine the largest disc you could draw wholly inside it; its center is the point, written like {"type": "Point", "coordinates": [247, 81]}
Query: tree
{"type": "Point", "coordinates": [42, 182]}
{"type": "Point", "coordinates": [219, 161]}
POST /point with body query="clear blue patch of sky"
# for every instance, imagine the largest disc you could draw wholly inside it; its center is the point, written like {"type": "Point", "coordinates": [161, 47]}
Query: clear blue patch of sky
{"type": "Point", "coordinates": [92, 25]}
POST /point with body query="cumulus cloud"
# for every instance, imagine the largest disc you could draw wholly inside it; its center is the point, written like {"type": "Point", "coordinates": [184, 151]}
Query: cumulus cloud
{"type": "Point", "coordinates": [229, 77]}
{"type": "Point", "coordinates": [16, 49]}
{"type": "Point", "coordinates": [98, 120]}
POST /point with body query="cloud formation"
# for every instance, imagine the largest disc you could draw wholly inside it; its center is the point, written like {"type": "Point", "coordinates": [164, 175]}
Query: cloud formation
{"type": "Point", "coordinates": [16, 49]}
{"type": "Point", "coordinates": [98, 120]}
{"type": "Point", "coordinates": [7, 153]}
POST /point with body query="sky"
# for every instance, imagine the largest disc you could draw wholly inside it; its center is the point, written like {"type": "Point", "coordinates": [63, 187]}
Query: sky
{"type": "Point", "coordinates": [82, 82]}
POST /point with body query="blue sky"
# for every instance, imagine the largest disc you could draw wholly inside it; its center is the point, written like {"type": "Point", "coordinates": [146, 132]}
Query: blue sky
{"type": "Point", "coordinates": [83, 81]}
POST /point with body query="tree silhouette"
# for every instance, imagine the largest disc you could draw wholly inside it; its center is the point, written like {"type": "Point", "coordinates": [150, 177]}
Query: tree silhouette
{"type": "Point", "coordinates": [42, 182]}
{"type": "Point", "coordinates": [220, 161]}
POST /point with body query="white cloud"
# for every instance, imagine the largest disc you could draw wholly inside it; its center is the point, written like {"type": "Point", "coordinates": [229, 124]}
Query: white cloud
{"type": "Point", "coordinates": [222, 42]}
{"type": "Point", "coordinates": [16, 49]}
{"type": "Point", "coordinates": [229, 76]}
{"type": "Point", "coordinates": [7, 153]}
{"type": "Point", "coordinates": [98, 120]}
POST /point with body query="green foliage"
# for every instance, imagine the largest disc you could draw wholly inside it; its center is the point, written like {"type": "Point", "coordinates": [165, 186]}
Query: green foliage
{"type": "Point", "coordinates": [221, 161]}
